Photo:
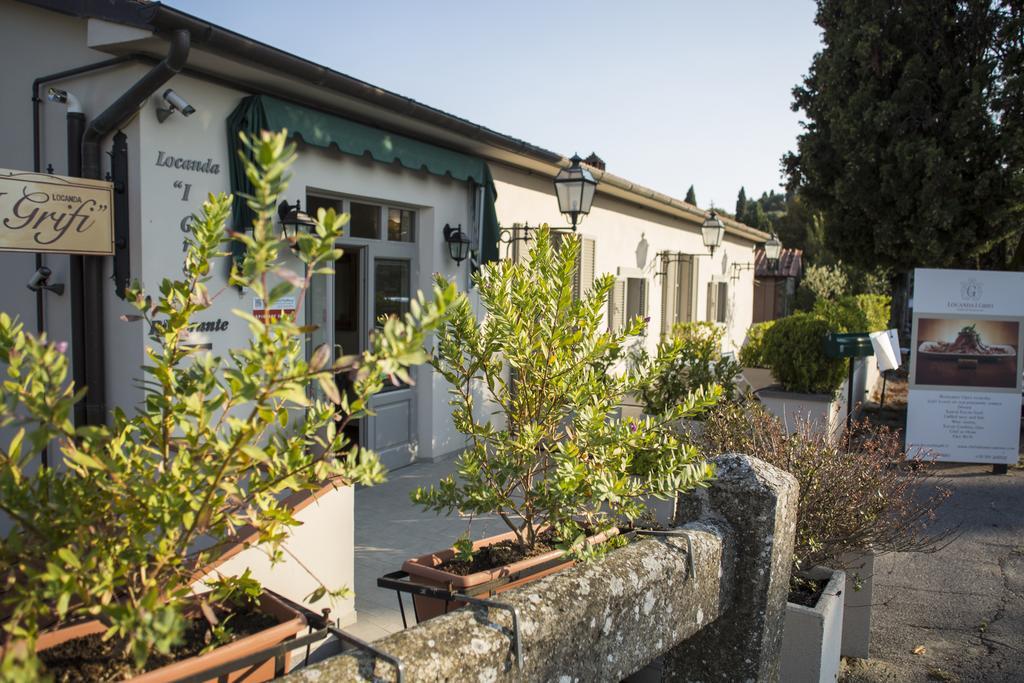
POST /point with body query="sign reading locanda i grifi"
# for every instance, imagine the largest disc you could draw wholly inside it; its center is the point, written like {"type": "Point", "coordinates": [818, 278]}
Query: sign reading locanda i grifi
{"type": "Point", "coordinates": [40, 212]}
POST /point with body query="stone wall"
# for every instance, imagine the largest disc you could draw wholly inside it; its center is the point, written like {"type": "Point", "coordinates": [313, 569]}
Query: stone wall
{"type": "Point", "coordinates": [607, 619]}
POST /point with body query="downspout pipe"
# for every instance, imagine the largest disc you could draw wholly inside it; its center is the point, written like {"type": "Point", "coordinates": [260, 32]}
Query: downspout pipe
{"type": "Point", "coordinates": [133, 98]}
{"type": "Point", "coordinates": [106, 122]}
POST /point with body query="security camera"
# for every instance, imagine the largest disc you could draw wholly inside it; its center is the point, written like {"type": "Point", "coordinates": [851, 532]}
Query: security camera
{"type": "Point", "coordinates": [175, 102]}
{"type": "Point", "coordinates": [64, 97]}
{"type": "Point", "coordinates": [41, 280]}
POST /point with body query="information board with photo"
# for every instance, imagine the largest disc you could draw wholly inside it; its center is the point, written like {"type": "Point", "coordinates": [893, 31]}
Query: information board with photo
{"type": "Point", "coordinates": [965, 366]}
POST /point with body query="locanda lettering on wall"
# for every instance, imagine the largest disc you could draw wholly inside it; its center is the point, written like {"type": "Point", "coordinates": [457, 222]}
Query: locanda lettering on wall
{"type": "Point", "coordinates": [218, 325]}
{"type": "Point", "coordinates": [183, 164]}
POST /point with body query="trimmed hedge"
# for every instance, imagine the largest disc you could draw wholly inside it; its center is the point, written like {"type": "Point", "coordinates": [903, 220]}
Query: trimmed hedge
{"type": "Point", "coordinates": [752, 351]}
{"type": "Point", "coordinates": [794, 350]}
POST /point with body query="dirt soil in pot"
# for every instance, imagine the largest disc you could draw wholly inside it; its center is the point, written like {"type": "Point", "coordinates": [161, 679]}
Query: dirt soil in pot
{"type": "Point", "coordinates": [805, 591]}
{"type": "Point", "coordinates": [499, 555]}
{"type": "Point", "coordinates": [90, 659]}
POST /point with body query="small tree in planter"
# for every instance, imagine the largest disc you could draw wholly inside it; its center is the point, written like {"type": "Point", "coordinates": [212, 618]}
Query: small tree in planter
{"type": "Point", "coordinates": [117, 529]}
{"type": "Point", "coordinates": [546, 366]}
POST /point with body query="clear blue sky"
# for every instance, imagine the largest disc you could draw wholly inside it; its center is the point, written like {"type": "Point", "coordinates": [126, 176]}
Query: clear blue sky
{"type": "Point", "coordinates": [668, 93]}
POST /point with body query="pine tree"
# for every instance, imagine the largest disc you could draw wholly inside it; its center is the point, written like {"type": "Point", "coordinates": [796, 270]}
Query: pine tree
{"type": "Point", "coordinates": [691, 196]}
{"type": "Point", "coordinates": [741, 203]}
{"type": "Point", "coordinates": [908, 147]}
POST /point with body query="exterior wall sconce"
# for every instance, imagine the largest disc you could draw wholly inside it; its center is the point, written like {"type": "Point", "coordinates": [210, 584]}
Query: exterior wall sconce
{"type": "Point", "coordinates": [458, 243]}
{"type": "Point", "coordinates": [711, 231]}
{"type": "Point", "coordinates": [772, 251]}
{"type": "Point", "coordinates": [575, 187]}
{"type": "Point", "coordinates": [293, 220]}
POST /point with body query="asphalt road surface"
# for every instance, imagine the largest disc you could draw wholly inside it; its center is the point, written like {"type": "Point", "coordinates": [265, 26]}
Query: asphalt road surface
{"type": "Point", "coordinates": [957, 614]}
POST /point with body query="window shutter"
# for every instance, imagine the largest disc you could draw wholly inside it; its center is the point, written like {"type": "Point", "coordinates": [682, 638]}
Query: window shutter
{"type": "Point", "coordinates": [643, 295]}
{"type": "Point", "coordinates": [585, 267]}
{"type": "Point", "coordinates": [712, 301]}
{"type": "Point", "coordinates": [617, 306]}
{"type": "Point", "coordinates": [723, 301]}
{"type": "Point", "coordinates": [687, 309]}
{"type": "Point", "coordinates": [669, 294]}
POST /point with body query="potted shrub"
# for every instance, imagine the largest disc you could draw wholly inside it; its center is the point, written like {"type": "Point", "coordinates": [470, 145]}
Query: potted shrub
{"type": "Point", "coordinates": [687, 360]}
{"type": "Point", "coordinates": [105, 544]}
{"type": "Point", "coordinates": [809, 382]}
{"type": "Point", "coordinates": [536, 385]}
{"type": "Point", "coordinates": [857, 498]}
{"type": "Point", "coordinates": [752, 359]}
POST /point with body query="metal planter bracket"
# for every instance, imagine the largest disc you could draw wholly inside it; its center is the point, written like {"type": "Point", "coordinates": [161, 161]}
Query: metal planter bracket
{"type": "Point", "coordinates": [366, 647]}
{"type": "Point", "coordinates": [517, 641]}
{"type": "Point", "coordinates": [690, 564]}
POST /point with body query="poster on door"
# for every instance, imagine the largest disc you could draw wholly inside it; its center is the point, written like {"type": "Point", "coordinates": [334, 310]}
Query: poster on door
{"type": "Point", "coordinates": [964, 401]}
{"type": "Point", "coordinates": [282, 307]}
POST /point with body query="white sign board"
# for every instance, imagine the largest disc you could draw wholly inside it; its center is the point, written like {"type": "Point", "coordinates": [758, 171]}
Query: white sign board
{"type": "Point", "coordinates": [965, 366]}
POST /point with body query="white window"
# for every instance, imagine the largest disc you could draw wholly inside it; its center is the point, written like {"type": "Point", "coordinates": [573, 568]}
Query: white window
{"type": "Point", "coordinates": [628, 298]}
{"type": "Point", "coordinates": [679, 290]}
{"type": "Point", "coordinates": [368, 221]}
{"type": "Point", "coordinates": [718, 301]}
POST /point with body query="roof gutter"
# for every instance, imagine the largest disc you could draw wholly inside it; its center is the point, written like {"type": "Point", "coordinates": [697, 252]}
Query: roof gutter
{"type": "Point", "coordinates": [92, 266]}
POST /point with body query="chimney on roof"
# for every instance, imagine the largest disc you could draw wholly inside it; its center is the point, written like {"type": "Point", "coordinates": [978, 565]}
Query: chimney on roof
{"type": "Point", "coordinates": [595, 161]}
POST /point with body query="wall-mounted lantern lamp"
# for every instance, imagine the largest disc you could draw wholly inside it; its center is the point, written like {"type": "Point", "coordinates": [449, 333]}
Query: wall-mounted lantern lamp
{"type": "Point", "coordinates": [293, 219]}
{"type": "Point", "coordinates": [772, 251]}
{"type": "Point", "coordinates": [575, 188]}
{"type": "Point", "coordinates": [711, 231]}
{"type": "Point", "coordinates": [458, 243]}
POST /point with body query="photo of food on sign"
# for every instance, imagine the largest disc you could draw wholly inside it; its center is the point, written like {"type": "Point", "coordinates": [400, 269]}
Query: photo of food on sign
{"type": "Point", "coordinates": [967, 353]}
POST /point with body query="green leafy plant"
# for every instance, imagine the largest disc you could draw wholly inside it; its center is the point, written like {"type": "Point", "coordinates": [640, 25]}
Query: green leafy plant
{"type": "Point", "coordinates": [752, 351]}
{"type": "Point", "coordinates": [794, 348]}
{"type": "Point", "coordinates": [842, 314]}
{"type": "Point", "coordinates": [536, 389]}
{"type": "Point", "coordinates": [689, 359]}
{"type": "Point", "coordinates": [858, 492]}
{"type": "Point", "coordinates": [877, 309]}
{"type": "Point", "coordinates": [117, 528]}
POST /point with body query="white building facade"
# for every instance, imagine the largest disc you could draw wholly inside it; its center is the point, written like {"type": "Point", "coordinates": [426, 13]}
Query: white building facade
{"type": "Point", "coordinates": [402, 170]}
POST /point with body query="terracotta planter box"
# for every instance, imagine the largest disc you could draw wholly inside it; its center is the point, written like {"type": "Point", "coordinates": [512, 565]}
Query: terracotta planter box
{"type": "Point", "coordinates": [812, 636]}
{"type": "Point", "coordinates": [290, 622]}
{"type": "Point", "coordinates": [857, 604]}
{"type": "Point", "coordinates": [423, 570]}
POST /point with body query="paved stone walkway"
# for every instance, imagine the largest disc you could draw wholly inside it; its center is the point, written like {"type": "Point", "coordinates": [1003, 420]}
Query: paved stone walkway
{"type": "Point", "coordinates": [965, 604]}
{"type": "Point", "coordinates": [390, 530]}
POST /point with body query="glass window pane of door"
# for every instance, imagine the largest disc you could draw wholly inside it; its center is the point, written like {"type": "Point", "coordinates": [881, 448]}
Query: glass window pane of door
{"type": "Point", "coordinates": [401, 225]}
{"type": "Point", "coordinates": [364, 221]}
{"type": "Point", "coordinates": [391, 279]}
{"type": "Point", "coordinates": [391, 288]}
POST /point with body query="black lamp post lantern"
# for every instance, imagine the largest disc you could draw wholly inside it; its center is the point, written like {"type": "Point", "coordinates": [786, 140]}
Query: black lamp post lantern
{"type": "Point", "coordinates": [772, 251]}
{"type": "Point", "coordinates": [458, 243]}
{"type": "Point", "coordinates": [711, 231]}
{"type": "Point", "coordinates": [293, 219]}
{"type": "Point", "coordinates": [574, 188]}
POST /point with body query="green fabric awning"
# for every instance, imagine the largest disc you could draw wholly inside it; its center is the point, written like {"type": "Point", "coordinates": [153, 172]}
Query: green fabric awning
{"type": "Point", "coordinates": [262, 112]}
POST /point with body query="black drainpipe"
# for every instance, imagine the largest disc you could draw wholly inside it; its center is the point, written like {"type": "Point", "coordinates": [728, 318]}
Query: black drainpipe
{"type": "Point", "coordinates": [112, 117]}
{"type": "Point", "coordinates": [76, 290]}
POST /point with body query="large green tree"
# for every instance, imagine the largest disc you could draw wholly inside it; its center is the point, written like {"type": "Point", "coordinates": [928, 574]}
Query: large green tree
{"type": "Point", "coordinates": [911, 147]}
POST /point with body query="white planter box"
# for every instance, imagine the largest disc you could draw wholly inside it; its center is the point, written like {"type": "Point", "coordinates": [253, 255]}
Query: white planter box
{"type": "Point", "coordinates": [860, 569]}
{"type": "Point", "coordinates": [827, 413]}
{"type": "Point", "coordinates": [812, 637]}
